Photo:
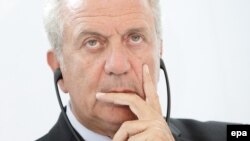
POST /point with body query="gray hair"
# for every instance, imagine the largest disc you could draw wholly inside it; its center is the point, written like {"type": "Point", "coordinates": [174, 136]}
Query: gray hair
{"type": "Point", "coordinates": [53, 23]}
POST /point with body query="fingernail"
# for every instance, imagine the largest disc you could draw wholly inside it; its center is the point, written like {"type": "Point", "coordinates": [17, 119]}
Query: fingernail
{"type": "Point", "coordinates": [145, 67]}
{"type": "Point", "coordinates": [99, 95]}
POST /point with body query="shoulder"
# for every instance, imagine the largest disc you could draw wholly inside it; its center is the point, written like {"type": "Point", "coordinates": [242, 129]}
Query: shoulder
{"type": "Point", "coordinates": [197, 130]}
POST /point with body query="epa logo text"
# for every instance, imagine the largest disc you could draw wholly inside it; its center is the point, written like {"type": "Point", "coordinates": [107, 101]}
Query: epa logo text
{"type": "Point", "coordinates": [239, 133]}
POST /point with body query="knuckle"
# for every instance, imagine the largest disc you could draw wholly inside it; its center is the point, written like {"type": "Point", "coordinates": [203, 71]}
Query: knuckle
{"type": "Point", "coordinates": [155, 97]}
{"type": "Point", "coordinates": [155, 123]}
{"type": "Point", "coordinates": [136, 98]}
{"type": "Point", "coordinates": [132, 139]}
{"type": "Point", "coordinates": [160, 135]}
{"type": "Point", "coordinates": [125, 124]}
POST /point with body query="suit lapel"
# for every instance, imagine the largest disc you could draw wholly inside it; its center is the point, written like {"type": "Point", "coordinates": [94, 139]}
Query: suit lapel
{"type": "Point", "coordinates": [61, 131]}
{"type": "Point", "coordinates": [176, 132]}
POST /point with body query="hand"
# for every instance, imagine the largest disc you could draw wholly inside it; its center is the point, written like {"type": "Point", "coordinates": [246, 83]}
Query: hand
{"type": "Point", "coordinates": [150, 126]}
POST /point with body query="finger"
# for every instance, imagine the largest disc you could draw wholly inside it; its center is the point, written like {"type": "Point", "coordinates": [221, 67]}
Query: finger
{"type": "Point", "coordinates": [149, 135]}
{"type": "Point", "coordinates": [152, 135]}
{"type": "Point", "coordinates": [137, 105]}
{"type": "Point", "coordinates": [150, 89]}
{"type": "Point", "coordinates": [130, 128]}
{"type": "Point", "coordinates": [139, 137]}
{"type": "Point", "coordinates": [144, 130]}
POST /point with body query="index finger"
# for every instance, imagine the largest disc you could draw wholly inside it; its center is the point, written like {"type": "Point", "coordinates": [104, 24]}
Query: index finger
{"type": "Point", "coordinates": [150, 90]}
{"type": "Point", "coordinates": [136, 104]}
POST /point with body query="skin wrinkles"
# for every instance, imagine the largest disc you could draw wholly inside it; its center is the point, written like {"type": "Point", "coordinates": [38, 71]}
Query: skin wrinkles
{"type": "Point", "coordinates": [102, 9]}
{"type": "Point", "coordinates": [87, 31]}
{"type": "Point", "coordinates": [83, 12]}
{"type": "Point", "coordinates": [82, 24]}
{"type": "Point", "coordinates": [117, 66]}
{"type": "Point", "coordinates": [101, 14]}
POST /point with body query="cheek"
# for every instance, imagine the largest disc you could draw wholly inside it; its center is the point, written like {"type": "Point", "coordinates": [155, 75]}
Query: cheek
{"type": "Point", "coordinates": [82, 76]}
{"type": "Point", "coordinates": [149, 57]}
{"type": "Point", "coordinates": [136, 66]}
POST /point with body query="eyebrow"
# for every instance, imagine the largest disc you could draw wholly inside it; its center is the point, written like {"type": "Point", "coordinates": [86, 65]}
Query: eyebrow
{"type": "Point", "coordinates": [140, 29]}
{"type": "Point", "coordinates": [89, 32]}
{"type": "Point", "coordinates": [94, 33]}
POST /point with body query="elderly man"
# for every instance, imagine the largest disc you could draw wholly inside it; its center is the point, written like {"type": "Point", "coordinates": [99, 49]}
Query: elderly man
{"type": "Point", "coordinates": [109, 52]}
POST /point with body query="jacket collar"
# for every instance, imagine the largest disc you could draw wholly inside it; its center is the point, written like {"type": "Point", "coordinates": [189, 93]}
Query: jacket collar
{"type": "Point", "coordinates": [175, 131]}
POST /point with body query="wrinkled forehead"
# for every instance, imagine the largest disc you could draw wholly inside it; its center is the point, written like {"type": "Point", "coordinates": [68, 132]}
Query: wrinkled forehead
{"type": "Point", "coordinates": [107, 7]}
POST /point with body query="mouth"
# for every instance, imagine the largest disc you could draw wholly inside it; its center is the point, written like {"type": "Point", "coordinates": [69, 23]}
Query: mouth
{"type": "Point", "coordinates": [121, 90]}
{"type": "Point", "coordinates": [125, 91]}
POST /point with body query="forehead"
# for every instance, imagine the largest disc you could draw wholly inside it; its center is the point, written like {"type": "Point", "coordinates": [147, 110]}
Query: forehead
{"type": "Point", "coordinates": [107, 7]}
{"type": "Point", "coordinates": [108, 16]}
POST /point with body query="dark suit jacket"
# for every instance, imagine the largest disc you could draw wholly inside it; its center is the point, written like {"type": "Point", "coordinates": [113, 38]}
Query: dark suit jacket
{"type": "Point", "coordinates": [182, 129]}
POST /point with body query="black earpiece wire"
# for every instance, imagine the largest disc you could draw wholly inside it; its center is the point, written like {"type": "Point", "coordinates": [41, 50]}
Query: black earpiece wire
{"type": "Point", "coordinates": [58, 76]}
{"type": "Point", "coordinates": [163, 67]}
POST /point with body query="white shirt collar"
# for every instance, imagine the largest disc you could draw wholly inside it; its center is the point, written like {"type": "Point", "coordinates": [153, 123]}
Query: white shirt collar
{"type": "Point", "coordinates": [87, 134]}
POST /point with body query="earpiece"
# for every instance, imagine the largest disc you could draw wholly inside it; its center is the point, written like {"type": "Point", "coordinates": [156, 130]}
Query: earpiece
{"type": "Point", "coordinates": [57, 75]}
{"type": "Point", "coordinates": [163, 67]}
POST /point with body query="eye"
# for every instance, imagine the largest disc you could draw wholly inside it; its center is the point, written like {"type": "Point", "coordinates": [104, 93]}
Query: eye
{"type": "Point", "coordinates": [92, 43]}
{"type": "Point", "coordinates": [135, 38]}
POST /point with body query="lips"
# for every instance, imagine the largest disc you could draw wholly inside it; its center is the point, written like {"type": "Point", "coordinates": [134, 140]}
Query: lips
{"type": "Point", "coordinates": [121, 90]}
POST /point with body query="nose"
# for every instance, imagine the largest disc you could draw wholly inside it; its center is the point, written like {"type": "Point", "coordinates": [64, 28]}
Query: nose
{"type": "Point", "coordinates": [117, 62]}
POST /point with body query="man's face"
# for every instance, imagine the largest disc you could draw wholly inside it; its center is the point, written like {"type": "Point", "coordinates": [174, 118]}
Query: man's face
{"type": "Point", "coordinates": [106, 43]}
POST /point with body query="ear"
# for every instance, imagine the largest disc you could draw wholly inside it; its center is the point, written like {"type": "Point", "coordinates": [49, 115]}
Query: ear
{"type": "Point", "coordinates": [54, 64]}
